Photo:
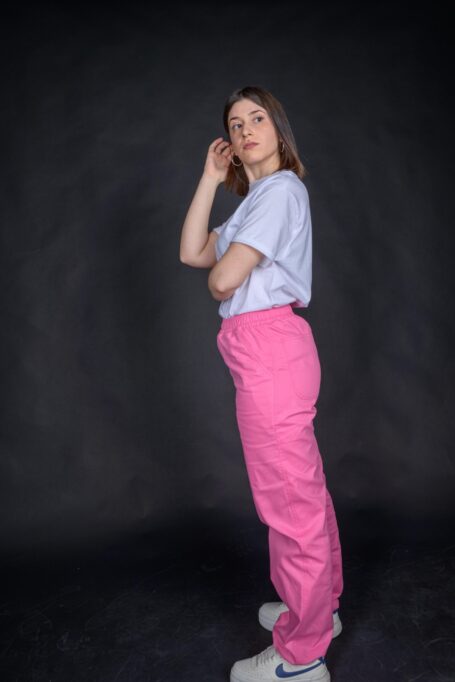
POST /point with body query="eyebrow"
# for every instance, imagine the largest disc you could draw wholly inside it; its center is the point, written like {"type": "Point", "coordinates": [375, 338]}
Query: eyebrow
{"type": "Point", "coordinates": [251, 112]}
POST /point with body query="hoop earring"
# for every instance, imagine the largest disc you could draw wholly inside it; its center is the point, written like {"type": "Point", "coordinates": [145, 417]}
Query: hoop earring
{"type": "Point", "coordinates": [236, 164]}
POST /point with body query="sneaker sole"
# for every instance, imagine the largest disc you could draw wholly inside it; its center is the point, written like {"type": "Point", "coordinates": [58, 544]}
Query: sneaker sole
{"type": "Point", "coordinates": [325, 677]}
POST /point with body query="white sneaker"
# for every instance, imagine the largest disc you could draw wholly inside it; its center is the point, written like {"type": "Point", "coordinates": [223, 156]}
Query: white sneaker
{"type": "Point", "coordinates": [271, 610]}
{"type": "Point", "coordinates": [269, 666]}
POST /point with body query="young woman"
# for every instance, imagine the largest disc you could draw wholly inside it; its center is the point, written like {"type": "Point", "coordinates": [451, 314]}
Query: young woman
{"type": "Point", "coordinates": [261, 268]}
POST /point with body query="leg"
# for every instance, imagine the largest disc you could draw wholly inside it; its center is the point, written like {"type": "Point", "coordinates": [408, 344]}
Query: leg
{"type": "Point", "coordinates": [337, 558]}
{"type": "Point", "coordinates": [276, 392]}
{"type": "Point", "coordinates": [300, 554]}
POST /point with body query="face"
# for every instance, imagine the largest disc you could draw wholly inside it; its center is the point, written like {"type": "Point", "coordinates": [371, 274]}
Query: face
{"type": "Point", "coordinates": [250, 122]}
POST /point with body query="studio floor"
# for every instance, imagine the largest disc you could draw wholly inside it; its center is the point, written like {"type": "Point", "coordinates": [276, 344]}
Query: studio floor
{"type": "Point", "coordinates": [182, 605]}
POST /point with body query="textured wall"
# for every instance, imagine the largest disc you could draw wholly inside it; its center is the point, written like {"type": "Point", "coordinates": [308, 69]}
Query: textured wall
{"type": "Point", "coordinates": [117, 410]}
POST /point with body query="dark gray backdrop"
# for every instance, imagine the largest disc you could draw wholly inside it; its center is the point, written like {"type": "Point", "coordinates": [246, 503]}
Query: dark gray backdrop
{"type": "Point", "coordinates": [117, 410]}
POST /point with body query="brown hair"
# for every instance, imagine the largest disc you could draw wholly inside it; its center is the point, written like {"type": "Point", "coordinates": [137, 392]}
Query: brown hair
{"type": "Point", "coordinates": [236, 178]}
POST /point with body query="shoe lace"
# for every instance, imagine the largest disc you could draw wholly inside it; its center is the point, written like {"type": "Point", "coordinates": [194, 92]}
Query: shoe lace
{"type": "Point", "coordinates": [265, 655]}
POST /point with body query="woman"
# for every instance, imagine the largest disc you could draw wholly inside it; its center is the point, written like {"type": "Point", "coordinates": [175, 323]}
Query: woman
{"type": "Point", "coordinates": [261, 260]}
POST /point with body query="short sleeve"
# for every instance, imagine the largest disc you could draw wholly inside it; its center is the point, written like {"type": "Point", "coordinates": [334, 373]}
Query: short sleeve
{"type": "Point", "coordinates": [267, 224]}
{"type": "Point", "coordinates": [218, 229]}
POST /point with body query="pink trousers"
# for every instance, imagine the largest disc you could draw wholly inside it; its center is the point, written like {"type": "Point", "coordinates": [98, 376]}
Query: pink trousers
{"type": "Point", "coordinates": [274, 363]}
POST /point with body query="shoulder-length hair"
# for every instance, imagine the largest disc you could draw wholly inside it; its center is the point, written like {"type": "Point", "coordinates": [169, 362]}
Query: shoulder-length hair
{"type": "Point", "coordinates": [236, 179]}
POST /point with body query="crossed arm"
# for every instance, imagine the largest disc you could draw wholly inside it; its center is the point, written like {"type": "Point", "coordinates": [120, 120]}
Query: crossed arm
{"type": "Point", "coordinates": [232, 270]}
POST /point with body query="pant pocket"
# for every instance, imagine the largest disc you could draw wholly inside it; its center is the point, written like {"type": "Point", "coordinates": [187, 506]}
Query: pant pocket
{"type": "Point", "coordinates": [303, 363]}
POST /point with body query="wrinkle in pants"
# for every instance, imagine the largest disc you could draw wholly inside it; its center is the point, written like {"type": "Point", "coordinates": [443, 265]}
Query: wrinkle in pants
{"type": "Point", "coordinates": [272, 358]}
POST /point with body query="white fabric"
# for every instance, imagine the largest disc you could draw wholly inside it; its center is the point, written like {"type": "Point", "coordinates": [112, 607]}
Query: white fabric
{"type": "Point", "coordinates": [274, 218]}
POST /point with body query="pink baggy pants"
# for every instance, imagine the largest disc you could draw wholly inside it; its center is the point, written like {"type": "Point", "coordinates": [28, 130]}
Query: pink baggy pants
{"type": "Point", "coordinates": [273, 360]}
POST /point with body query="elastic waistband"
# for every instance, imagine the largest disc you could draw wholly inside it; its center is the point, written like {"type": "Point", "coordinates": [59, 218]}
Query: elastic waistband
{"type": "Point", "coordinates": [257, 316]}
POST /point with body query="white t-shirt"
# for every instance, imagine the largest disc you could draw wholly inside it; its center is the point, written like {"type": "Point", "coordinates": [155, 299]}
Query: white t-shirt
{"type": "Point", "coordinates": [274, 217]}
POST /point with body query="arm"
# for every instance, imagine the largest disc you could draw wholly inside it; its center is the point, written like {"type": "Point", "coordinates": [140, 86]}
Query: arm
{"type": "Point", "coordinates": [195, 238]}
{"type": "Point", "coordinates": [232, 270]}
{"type": "Point", "coordinates": [195, 235]}
{"type": "Point", "coordinates": [265, 230]}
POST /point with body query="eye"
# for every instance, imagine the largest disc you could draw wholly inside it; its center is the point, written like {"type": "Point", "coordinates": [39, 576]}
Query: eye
{"type": "Point", "coordinates": [237, 124]}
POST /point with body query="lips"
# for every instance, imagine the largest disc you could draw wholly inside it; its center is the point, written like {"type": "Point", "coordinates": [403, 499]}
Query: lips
{"type": "Point", "coordinates": [250, 145]}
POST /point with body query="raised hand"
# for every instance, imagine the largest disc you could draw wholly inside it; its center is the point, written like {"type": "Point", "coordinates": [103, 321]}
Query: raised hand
{"type": "Point", "coordinates": [219, 157]}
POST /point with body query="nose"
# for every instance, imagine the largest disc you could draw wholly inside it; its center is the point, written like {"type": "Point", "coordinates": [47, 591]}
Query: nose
{"type": "Point", "coordinates": [245, 131]}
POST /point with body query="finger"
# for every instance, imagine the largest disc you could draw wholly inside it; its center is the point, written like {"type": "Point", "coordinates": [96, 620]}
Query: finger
{"type": "Point", "coordinates": [215, 143]}
{"type": "Point", "coordinates": [222, 147]}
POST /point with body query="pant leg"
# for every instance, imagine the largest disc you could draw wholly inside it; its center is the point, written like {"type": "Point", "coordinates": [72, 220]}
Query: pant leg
{"type": "Point", "coordinates": [276, 373]}
{"type": "Point", "coordinates": [337, 557]}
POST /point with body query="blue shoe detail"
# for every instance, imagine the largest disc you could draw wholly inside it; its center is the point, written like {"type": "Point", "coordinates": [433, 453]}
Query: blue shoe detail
{"type": "Point", "coordinates": [279, 672]}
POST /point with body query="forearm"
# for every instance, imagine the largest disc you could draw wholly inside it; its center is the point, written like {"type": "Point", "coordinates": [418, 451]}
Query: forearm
{"type": "Point", "coordinates": [195, 228]}
{"type": "Point", "coordinates": [218, 292]}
